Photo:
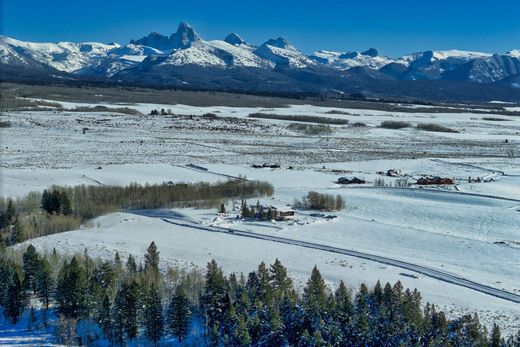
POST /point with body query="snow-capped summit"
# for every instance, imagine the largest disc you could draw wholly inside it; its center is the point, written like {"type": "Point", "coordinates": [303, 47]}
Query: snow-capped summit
{"type": "Point", "coordinates": [235, 39]}
{"type": "Point", "coordinates": [347, 60]}
{"type": "Point", "coordinates": [280, 42]}
{"type": "Point", "coordinates": [63, 56]}
{"type": "Point", "coordinates": [515, 53]}
{"type": "Point", "coordinates": [281, 52]}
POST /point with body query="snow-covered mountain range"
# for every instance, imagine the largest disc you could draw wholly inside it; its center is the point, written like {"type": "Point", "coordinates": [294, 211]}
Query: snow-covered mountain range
{"type": "Point", "coordinates": [168, 59]}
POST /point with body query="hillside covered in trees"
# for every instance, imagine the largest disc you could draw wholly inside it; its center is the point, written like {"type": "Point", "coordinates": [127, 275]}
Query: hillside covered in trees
{"type": "Point", "coordinates": [95, 302]}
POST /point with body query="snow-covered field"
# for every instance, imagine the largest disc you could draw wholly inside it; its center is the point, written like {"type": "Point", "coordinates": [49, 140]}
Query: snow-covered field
{"type": "Point", "coordinates": [471, 230]}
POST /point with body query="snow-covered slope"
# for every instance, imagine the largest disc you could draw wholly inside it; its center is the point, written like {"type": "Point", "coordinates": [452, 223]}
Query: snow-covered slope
{"type": "Point", "coordinates": [216, 53]}
{"type": "Point", "coordinates": [345, 61]}
{"type": "Point", "coordinates": [63, 56]}
{"type": "Point", "coordinates": [281, 52]}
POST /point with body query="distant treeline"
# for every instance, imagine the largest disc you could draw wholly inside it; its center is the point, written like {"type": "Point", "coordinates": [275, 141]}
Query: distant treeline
{"type": "Point", "coordinates": [125, 301]}
{"type": "Point", "coordinates": [300, 118]}
{"type": "Point", "coordinates": [321, 202]}
{"type": "Point", "coordinates": [66, 208]}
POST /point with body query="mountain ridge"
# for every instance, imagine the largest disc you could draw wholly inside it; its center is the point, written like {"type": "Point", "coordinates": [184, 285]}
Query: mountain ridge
{"type": "Point", "coordinates": [160, 59]}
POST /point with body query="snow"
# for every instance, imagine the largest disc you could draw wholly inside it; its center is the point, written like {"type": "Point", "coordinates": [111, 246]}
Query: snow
{"type": "Point", "coordinates": [514, 53]}
{"type": "Point", "coordinates": [473, 236]}
{"type": "Point", "coordinates": [454, 53]}
{"type": "Point", "coordinates": [335, 60]}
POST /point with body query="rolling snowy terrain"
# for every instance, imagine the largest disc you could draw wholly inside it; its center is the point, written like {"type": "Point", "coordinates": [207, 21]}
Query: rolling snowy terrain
{"type": "Point", "coordinates": [469, 230]}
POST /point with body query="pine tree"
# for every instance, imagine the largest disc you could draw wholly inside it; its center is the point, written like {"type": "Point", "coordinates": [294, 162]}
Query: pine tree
{"type": "Point", "coordinates": [344, 307]}
{"type": "Point", "coordinates": [125, 311]}
{"type": "Point", "coordinates": [44, 282]}
{"type": "Point", "coordinates": [6, 274]}
{"type": "Point", "coordinates": [276, 335]}
{"type": "Point", "coordinates": [131, 266]}
{"type": "Point", "coordinates": [71, 290]}
{"type": "Point", "coordinates": [215, 297]}
{"type": "Point", "coordinates": [105, 318]}
{"type": "Point", "coordinates": [151, 262]}
{"type": "Point", "coordinates": [179, 315]}
{"type": "Point", "coordinates": [118, 316]}
{"type": "Point", "coordinates": [153, 322]}
{"type": "Point", "coordinates": [314, 295]}
{"type": "Point", "coordinates": [31, 264]}
{"type": "Point", "coordinates": [222, 209]}
{"type": "Point", "coordinates": [280, 281]}
{"type": "Point", "coordinates": [496, 340]}
{"type": "Point", "coordinates": [241, 334]}
{"type": "Point", "coordinates": [118, 264]}
{"type": "Point", "coordinates": [15, 299]}
{"type": "Point", "coordinates": [264, 290]}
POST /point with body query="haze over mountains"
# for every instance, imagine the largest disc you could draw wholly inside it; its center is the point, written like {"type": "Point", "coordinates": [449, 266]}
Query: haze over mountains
{"type": "Point", "coordinates": [184, 59]}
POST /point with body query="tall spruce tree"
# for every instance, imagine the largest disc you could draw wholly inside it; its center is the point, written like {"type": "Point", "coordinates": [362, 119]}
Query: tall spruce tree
{"type": "Point", "coordinates": [31, 265]}
{"type": "Point", "coordinates": [15, 299]}
{"type": "Point", "coordinates": [70, 294]}
{"type": "Point", "coordinates": [44, 282]}
{"type": "Point", "coordinates": [280, 281]}
{"type": "Point", "coordinates": [179, 315]}
{"type": "Point", "coordinates": [151, 263]}
{"type": "Point", "coordinates": [153, 322]}
{"type": "Point", "coordinates": [215, 294]}
{"type": "Point", "coordinates": [314, 295]}
{"type": "Point", "coordinates": [104, 318]}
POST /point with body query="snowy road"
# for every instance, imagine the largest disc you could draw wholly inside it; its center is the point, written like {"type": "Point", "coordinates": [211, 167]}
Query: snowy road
{"type": "Point", "coordinates": [176, 219]}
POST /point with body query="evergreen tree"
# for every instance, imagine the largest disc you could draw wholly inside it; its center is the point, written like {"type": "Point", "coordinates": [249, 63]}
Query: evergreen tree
{"type": "Point", "coordinates": [125, 311]}
{"type": "Point", "coordinates": [44, 282]}
{"type": "Point", "coordinates": [344, 311]}
{"type": "Point", "coordinates": [222, 209]}
{"type": "Point", "coordinates": [131, 266]}
{"type": "Point", "coordinates": [276, 336]}
{"type": "Point", "coordinates": [15, 299]}
{"type": "Point", "coordinates": [314, 295]}
{"type": "Point", "coordinates": [241, 334]}
{"type": "Point", "coordinates": [105, 318]}
{"type": "Point", "coordinates": [119, 320]}
{"type": "Point", "coordinates": [179, 315]}
{"type": "Point", "coordinates": [31, 264]}
{"type": "Point", "coordinates": [215, 296]}
{"type": "Point", "coordinates": [118, 265]}
{"type": "Point", "coordinates": [151, 262]}
{"type": "Point", "coordinates": [264, 290]}
{"type": "Point", "coordinates": [71, 290]}
{"type": "Point", "coordinates": [496, 340]}
{"type": "Point", "coordinates": [153, 322]}
{"type": "Point", "coordinates": [280, 281]}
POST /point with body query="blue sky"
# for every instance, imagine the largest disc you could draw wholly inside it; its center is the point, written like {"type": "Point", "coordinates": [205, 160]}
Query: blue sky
{"type": "Point", "coordinates": [393, 27]}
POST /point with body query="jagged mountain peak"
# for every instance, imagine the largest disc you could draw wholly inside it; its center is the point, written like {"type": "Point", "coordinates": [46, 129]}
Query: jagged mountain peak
{"type": "Point", "coordinates": [279, 42]}
{"type": "Point", "coordinates": [184, 36]}
{"type": "Point", "coordinates": [371, 52]}
{"type": "Point", "coordinates": [154, 39]}
{"type": "Point", "coordinates": [234, 39]}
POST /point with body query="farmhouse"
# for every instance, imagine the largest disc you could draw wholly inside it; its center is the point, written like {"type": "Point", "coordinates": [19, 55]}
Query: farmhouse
{"type": "Point", "coordinates": [278, 213]}
{"type": "Point", "coordinates": [281, 212]}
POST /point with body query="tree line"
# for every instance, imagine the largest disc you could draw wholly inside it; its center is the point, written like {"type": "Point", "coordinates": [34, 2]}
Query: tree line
{"type": "Point", "coordinates": [67, 208]}
{"type": "Point", "coordinates": [126, 300]}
